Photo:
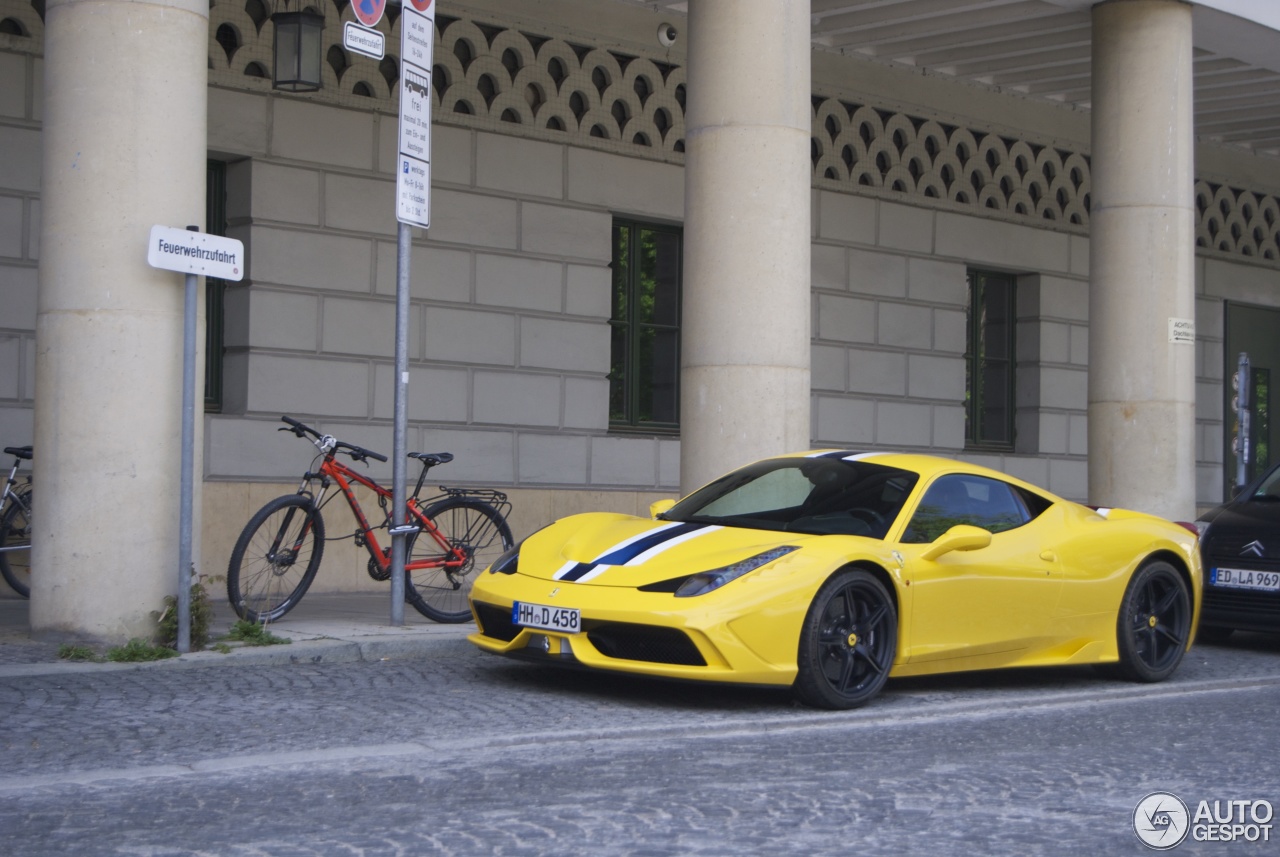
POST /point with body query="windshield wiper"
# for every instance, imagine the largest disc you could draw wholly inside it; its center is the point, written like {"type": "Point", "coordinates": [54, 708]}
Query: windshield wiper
{"type": "Point", "coordinates": [701, 519]}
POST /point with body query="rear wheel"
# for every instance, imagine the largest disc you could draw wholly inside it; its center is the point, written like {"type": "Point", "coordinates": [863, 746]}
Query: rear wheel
{"type": "Point", "coordinates": [275, 559]}
{"type": "Point", "coordinates": [474, 527]}
{"type": "Point", "coordinates": [15, 532]}
{"type": "Point", "coordinates": [1154, 623]}
{"type": "Point", "coordinates": [848, 642]}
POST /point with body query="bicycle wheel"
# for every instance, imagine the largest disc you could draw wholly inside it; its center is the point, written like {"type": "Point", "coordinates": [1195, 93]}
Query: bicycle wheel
{"type": "Point", "coordinates": [15, 532]}
{"type": "Point", "coordinates": [483, 535]}
{"type": "Point", "coordinates": [275, 559]}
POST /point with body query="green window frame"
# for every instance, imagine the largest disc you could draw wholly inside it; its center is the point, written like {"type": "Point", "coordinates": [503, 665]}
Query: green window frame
{"type": "Point", "coordinates": [644, 370]}
{"type": "Point", "coordinates": [990, 363]}
{"type": "Point", "coordinates": [214, 288]}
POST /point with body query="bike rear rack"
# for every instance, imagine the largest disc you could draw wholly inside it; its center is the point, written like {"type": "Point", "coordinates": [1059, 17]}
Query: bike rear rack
{"type": "Point", "coordinates": [497, 499]}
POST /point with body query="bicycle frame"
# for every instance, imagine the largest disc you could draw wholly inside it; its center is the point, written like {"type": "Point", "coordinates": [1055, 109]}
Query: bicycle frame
{"type": "Point", "coordinates": [335, 471]}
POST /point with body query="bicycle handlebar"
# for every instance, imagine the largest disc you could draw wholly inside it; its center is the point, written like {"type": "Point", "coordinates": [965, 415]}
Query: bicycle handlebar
{"type": "Point", "coordinates": [357, 453]}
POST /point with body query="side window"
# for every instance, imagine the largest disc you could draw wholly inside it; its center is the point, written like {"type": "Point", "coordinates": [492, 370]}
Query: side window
{"type": "Point", "coordinates": [215, 224]}
{"type": "Point", "coordinates": [1035, 504]}
{"type": "Point", "coordinates": [951, 500]}
{"type": "Point", "coordinates": [989, 361]}
{"type": "Point", "coordinates": [644, 370]}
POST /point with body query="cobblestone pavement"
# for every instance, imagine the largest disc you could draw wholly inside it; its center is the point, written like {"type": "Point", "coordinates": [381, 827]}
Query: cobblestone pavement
{"type": "Point", "coordinates": [463, 753]}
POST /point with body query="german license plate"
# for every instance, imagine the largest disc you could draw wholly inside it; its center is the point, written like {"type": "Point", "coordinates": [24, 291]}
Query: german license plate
{"type": "Point", "coordinates": [1244, 578]}
{"type": "Point", "coordinates": [543, 617]}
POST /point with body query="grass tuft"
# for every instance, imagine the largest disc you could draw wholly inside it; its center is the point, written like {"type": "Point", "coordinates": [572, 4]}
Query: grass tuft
{"type": "Point", "coordinates": [138, 650]}
{"type": "Point", "coordinates": [70, 652]}
{"type": "Point", "coordinates": [253, 634]}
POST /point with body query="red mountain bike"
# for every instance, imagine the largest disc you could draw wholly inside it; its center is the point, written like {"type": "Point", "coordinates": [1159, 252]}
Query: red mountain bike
{"type": "Point", "coordinates": [458, 533]}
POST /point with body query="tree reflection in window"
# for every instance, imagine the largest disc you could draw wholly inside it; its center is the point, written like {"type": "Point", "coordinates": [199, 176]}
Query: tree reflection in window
{"type": "Point", "coordinates": [963, 499]}
{"type": "Point", "coordinates": [1261, 427]}
{"type": "Point", "coordinates": [644, 376]}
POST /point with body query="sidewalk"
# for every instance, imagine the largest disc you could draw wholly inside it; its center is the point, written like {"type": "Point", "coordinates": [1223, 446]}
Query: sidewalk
{"type": "Point", "coordinates": [322, 628]}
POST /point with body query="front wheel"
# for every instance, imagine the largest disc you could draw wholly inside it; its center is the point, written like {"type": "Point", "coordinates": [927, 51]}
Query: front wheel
{"type": "Point", "coordinates": [15, 532]}
{"type": "Point", "coordinates": [473, 527]}
{"type": "Point", "coordinates": [1154, 623]}
{"type": "Point", "coordinates": [275, 559]}
{"type": "Point", "coordinates": [847, 643]}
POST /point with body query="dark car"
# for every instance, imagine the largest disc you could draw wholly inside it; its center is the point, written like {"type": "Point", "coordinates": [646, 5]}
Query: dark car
{"type": "Point", "coordinates": [1240, 545]}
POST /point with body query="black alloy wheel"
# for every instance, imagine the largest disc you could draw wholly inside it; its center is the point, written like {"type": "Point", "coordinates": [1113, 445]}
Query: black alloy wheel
{"type": "Point", "coordinates": [847, 643]}
{"type": "Point", "coordinates": [1154, 625]}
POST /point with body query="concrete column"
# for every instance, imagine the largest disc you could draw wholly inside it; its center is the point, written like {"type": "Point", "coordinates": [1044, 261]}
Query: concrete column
{"type": "Point", "coordinates": [1142, 253]}
{"type": "Point", "coordinates": [124, 149]}
{"type": "Point", "coordinates": [745, 328]}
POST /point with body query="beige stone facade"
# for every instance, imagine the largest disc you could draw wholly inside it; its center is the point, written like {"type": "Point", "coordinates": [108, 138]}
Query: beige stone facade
{"type": "Point", "coordinates": [545, 129]}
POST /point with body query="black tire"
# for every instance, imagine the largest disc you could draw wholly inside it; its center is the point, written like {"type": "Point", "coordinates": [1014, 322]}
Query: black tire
{"type": "Point", "coordinates": [1154, 624]}
{"type": "Point", "coordinates": [15, 531]}
{"type": "Point", "coordinates": [847, 643]}
{"type": "Point", "coordinates": [476, 527]}
{"type": "Point", "coordinates": [275, 559]}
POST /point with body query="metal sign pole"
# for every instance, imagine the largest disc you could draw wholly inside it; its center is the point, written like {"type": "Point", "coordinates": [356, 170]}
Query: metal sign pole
{"type": "Point", "coordinates": [413, 206]}
{"type": "Point", "coordinates": [188, 458]}
{"type": "Point", "coordinates": [399, 453]}
{"type": "Point", "coordinates": [193, 253]}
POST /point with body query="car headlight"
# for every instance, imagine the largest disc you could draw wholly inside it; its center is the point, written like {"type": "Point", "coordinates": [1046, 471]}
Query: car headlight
{"type": "Point", "coordinates": [708, 581]}
{"type": "Point", "coordinates": [509, 562]}
{"type": "Point", "coordinates": [1202, 528]}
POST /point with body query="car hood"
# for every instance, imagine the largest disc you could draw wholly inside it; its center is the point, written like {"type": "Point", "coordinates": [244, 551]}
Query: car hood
{"type": "Point", "coordinates": [621, 550]}
{"type": "Point", "coordinates": [1250, 513]}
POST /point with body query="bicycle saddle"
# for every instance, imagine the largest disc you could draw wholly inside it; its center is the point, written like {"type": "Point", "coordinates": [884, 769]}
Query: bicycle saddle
{"type": "Point", "coordinates": [431, 459]}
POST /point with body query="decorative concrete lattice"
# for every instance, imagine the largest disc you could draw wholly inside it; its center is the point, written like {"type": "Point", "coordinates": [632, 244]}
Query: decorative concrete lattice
{"type": "Point", "coordinates": [857, 144]}
{"type": "Point", "coordinates": [551, 86]}
{"type": "Point", "coordinates": [1234, 221]}
{"type": "Point", "coordinates": [556, 85]}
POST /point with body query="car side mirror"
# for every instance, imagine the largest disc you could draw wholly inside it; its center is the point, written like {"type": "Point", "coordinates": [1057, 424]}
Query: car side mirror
{"type": "Point", "coordinates": [961, 537]}
{"type": "Point", "coordinates": [657, 507]}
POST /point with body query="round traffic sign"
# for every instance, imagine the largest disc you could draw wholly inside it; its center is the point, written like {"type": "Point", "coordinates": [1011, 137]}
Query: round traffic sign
{"type": "Point", "coordinates": [369, 12]}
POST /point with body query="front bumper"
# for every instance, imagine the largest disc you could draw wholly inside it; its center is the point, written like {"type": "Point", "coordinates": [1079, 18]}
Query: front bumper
{"type": "Point", "coordinates": [707, 638]}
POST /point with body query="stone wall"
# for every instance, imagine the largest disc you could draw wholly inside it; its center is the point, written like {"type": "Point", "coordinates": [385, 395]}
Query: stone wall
{"type": "Point", "coordinates": [544, 131]}
{"type": "Point", "coordinates": [20, 80]}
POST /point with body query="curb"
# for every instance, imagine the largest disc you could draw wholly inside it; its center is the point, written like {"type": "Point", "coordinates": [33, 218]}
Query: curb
{"type": "Point", "coordinates": [310, 651]}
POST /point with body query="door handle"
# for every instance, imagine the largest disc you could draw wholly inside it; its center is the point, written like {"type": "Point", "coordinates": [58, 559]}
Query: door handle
{"type": "Point", "coordinates": [1048, 556]}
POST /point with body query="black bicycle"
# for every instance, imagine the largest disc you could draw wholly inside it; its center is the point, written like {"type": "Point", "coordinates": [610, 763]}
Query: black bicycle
{"type": "Point", "coordinates": [15, 525]}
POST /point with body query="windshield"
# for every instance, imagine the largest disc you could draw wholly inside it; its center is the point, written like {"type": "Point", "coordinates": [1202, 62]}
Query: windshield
{"type": "Point", "coordinates": [823, 496]}
{"type": "Point", "coordinates": [1269, 489]}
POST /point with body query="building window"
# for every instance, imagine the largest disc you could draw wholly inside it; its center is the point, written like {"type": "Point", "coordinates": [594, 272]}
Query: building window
{"type": "Point", "coordinates": [989, 361]}
{"type": "Point", "coordinates": [215, 224]}
{"type": "Point", "coordinates": [644, 371]}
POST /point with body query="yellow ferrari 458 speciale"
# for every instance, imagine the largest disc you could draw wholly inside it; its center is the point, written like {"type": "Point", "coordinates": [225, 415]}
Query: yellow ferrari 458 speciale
{"type": "Point", "coordinates": [832, 571]}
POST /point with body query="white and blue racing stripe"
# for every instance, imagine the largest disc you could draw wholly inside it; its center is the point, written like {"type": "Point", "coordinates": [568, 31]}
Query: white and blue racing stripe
{"type": "Point", "coordinates": [634, 551]}
{"type": "Point", "coordinates": [844, 455]}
